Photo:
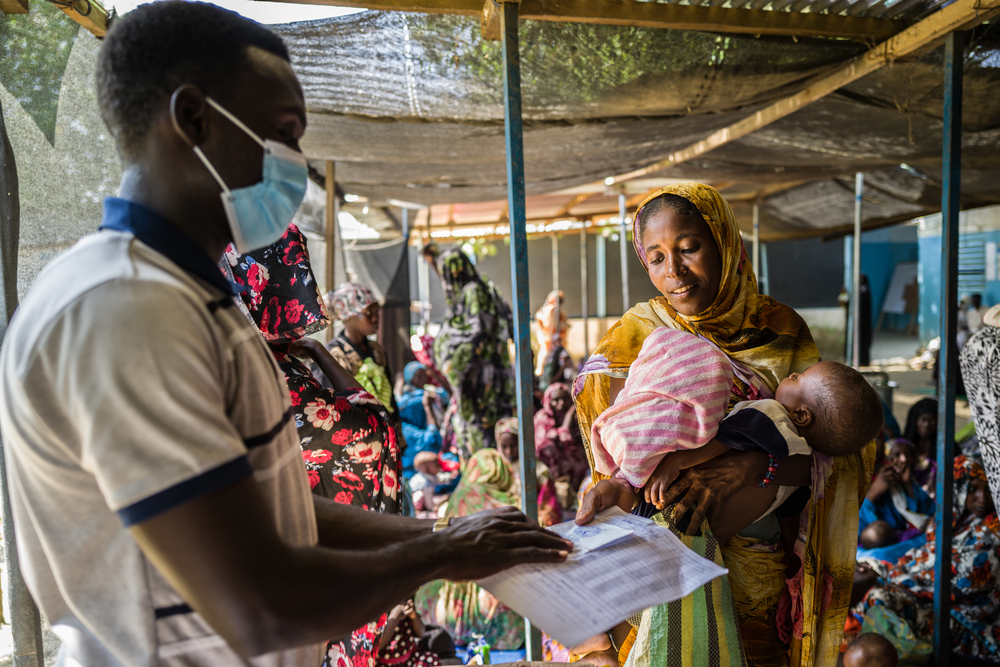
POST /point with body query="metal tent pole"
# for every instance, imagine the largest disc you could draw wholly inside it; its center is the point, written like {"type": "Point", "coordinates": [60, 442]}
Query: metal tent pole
{"type": "Point", "coordinates": [519, 275]}
{"type": "Point", "coordinates": [555, 261]}
{"type": "Point", "coordinates": [951, 172]}
{"type": "Point", "coordinates": [584, 305]}
{"type": "Point", "coordinates": [330, 234]}
{"type": "Point", "coordinates": [602, 275]}
{"type": "Point", "coordinates": [859, 184]}
{"type": "Point", "coordinates": [623, 233]}
{"type": "Point", "coordinates": [756, 241]}
{"type": "Point", "coordinates": [25, 622]}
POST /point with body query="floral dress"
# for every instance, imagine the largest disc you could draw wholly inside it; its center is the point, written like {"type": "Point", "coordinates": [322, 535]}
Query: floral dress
{"type": "Point", "coordinates": [349, 448]}
{"type": "Point", "coordinates": [471, 350]}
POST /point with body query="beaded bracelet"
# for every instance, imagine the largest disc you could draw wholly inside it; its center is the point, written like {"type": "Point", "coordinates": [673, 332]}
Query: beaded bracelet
{"type": "Point", "coordinates": [772, 466]}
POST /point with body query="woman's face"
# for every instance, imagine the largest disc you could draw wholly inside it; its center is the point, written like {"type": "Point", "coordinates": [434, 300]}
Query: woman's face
{"type": "Point", "coordinates": [684, 261]}
{"type": "Point", "coordinates": [926, 425]}
{"type": "Point", "coordinates": [559, 401]}
{"type": "Point", "coordinates": [507, 446]}
{"type": "Point", "coordinates": [366, 324]}
{"type": "Point", "coordinates": [979, 502]}
{"type": "Point", "coordinates": [902, 459]}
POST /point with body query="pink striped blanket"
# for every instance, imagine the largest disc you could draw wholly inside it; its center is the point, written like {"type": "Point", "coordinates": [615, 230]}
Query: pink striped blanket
{"type": "Point", "coordinates": [674, 398]}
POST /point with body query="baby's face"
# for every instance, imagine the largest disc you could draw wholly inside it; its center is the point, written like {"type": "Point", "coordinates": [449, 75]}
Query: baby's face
{"type": "Point", "coordinates": [799, 389]}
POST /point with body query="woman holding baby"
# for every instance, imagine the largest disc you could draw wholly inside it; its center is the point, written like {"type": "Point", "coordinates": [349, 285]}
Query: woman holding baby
{"type": "Point", "coordinates": [687, 238]}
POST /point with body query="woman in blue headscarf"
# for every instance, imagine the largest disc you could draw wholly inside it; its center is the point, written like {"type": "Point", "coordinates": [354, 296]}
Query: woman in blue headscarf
{"type": "Point", "coordinates": [421, 425]}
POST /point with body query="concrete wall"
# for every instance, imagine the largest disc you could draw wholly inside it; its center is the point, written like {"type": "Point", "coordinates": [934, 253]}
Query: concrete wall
{"type": "Point", "coordinates": [976, 228]}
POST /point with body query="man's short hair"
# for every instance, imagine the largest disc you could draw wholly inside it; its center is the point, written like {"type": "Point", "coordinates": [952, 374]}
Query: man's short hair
{"type": "Point", "coordinates": [849, 415]}
{"type": "Point", "coordinates": [875, 650]}
{"type": "Point", "coordinates": [154, 49]}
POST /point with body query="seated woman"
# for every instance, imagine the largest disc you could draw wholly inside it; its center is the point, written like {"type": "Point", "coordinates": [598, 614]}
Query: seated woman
{"type": "Point", "coordinates": [907, 588]}
{"type": "Point", "coordinates": [896, 510]}
{"type": "Point", "coordinates": [687, 238]}
{"type": "Point", "coordinates": [558, 443]}
{"type": "Point", "coordinates": [921, 430]}
{"type": "Point", "coordinates": [420, 422]}
{"type": "Point", "coordinates": [349, 449]}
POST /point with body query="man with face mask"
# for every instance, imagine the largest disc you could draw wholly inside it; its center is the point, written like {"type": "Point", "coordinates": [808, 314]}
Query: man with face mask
{"type": "Point", "coordinates": [161, 505]}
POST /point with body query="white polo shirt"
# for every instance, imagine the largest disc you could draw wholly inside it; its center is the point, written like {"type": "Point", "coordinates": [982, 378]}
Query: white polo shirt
{"type": "Point", "coordinates": [130, 386]}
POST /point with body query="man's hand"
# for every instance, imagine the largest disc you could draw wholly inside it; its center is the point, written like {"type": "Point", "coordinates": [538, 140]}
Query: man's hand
{"type": "Point", "coordinates": [709, 485]}
{"type": "Point", "coordinates": [606, 493]}
{"type": "Point", "coordinates": [487, 542]}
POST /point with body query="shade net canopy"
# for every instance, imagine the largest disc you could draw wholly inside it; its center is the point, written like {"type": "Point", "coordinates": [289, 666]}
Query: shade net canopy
{"type": "Point", "coordinates": [410, 108]}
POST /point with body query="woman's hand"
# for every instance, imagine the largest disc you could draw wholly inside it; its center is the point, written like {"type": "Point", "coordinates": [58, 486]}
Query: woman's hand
{"type": "Point", "coordinates": [883, 482]}
{"type": "Point", "coordinates": [708, 486]}
{"type": "Point", "coordinates": [305, 348]}
{"type": "Point", "coordinates": [606, 493]}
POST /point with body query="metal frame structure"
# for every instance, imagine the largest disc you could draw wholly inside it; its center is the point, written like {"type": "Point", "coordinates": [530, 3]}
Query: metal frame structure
{"type": "Point", "coordinates": [948, 359]}
{"type": "Point", "coordinates": [869, 20]}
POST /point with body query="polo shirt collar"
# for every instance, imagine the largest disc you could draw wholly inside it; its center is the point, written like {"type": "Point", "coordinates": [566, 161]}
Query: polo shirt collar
{"type": "Point", "coordinates": [162, 236]}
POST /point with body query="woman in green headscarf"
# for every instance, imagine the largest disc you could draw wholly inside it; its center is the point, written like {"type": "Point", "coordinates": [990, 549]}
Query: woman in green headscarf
{"type": "Point", "coordinates": [465, 609]}
{"type": "Point", "coordinates": [471, 349]}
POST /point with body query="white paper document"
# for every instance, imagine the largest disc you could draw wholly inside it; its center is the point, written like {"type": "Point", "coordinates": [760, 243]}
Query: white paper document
{"type": "Point", "coordinates": [622, 565]}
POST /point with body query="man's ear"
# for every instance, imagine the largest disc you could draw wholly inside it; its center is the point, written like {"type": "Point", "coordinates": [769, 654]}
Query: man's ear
{"type": "Point", "coordinates": [187, 112]}
{"type": "Point", "coordinates": [801, 416]}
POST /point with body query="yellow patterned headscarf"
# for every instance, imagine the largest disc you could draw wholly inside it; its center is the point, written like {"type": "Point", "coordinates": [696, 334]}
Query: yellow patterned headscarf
{"type": "Point", "coordinates": [749, 327]}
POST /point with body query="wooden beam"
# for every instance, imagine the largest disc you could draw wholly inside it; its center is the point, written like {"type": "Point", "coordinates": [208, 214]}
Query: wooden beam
{"type": "Point", "coordinates": [957, 15]}
{"type": "Point", "coordinates": [573, 203]}
{"type": "Point", "coordinates": [710, 19]}
{"type": "Point", "coordinates": [635, 200]}
{"type": "Point", "coordinates": [14, 6]}
{"type": "Point", "coordinates": [88, 13]}
{"type": "Point", "coordinates": [489, 21]}
{"type": "Point", "coordinates": [652, 15]}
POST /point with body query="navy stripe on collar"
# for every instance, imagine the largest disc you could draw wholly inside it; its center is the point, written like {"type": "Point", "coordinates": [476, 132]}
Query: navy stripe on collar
{"type": "Point", "coordinates": [162, 236]}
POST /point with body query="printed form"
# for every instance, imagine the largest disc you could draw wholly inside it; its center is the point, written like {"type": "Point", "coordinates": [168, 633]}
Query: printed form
{"type": "Point", "coordinates": [621, 565]}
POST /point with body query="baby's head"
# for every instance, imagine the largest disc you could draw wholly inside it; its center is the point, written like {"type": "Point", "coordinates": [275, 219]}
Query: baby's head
{"type": "Point", "coordinates": [871, 650]}
{"type": "Point", "coordinates": [834, 408]}
{"type": "Point", "coordinates": [427, 463]}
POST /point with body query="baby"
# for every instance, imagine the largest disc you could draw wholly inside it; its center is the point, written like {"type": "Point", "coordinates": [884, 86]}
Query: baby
{"type": "Point", "coordinates": [669, 416]}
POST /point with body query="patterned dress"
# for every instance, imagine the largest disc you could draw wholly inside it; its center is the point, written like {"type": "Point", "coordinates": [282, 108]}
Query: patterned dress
{"type": "Point", "coordinates": [349, 448]}
{"type": "Point", "coordinates": [907, 588]}
{"type": "Point", "coordinates": [471, 350]}
{"type": "Point", "coordinates": [980, 360]}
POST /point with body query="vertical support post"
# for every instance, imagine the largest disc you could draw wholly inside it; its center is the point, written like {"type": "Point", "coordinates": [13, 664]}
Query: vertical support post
{"type": "Point", "coordinates": [584, 301]}
{"type": "Point", "coordinates": [951, 172]}
{"type": "Point", "coordinates": [623, 234]}
{"type": "Point", "coordinates": [555, 261]}
{"type": "Point", "coordinates": [602, 276]}
{"type": "Point", "coordinates": [849, 314]}
{"type": "Point", "coordinates": [330, 233]}
{"type": "Point", "coordinates": [519, 276]}
{"type": "Point", "coordinates": [756, 241]}
{"type": "Point", "coordinates": [425, 281]}
{"type": "Point", "coordinates": [26, 624]}
{"type": "Point", "coordinates": [763, 282]}
{"type": "Point", "coordinates": [859, 185]}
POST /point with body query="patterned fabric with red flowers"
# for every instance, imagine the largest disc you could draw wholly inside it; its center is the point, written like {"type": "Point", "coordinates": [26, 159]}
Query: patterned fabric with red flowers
{"type": "Point", "coordinates": [350, 450]}
{"type": "Point", "coordinates": [907, 587]}
{"type": "Point", "coordinates": [281, 291]}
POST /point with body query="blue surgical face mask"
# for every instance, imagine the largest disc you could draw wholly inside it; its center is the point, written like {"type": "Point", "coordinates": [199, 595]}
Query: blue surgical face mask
{"type": "Point", "coordinates": [259, 214]}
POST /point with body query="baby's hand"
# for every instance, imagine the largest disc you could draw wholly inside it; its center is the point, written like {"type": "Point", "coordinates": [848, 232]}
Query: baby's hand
{"type": "Point", "coordinates": [660, 481]}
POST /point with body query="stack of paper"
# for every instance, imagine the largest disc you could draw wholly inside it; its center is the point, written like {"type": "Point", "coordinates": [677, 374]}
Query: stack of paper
{"type": "Point", "coordinates": [621, 565]}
